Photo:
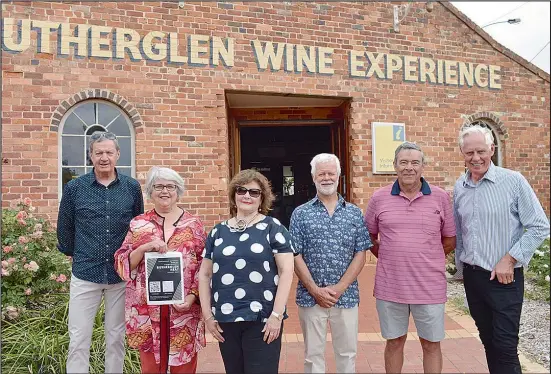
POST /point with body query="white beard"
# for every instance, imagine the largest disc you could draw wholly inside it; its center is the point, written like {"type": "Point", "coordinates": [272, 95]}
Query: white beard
{"type": "Point", "coordinates": [326, 190]}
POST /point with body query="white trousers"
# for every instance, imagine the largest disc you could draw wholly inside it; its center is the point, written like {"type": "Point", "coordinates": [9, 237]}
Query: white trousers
{"type": "Point", "coordinates": [344, 334]}
{"type": "Point", "coordinates": [85, 299]}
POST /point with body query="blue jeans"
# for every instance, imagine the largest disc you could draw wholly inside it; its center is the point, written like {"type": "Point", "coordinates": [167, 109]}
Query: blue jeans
{"type": "Point", "coordinates": [495, 308]}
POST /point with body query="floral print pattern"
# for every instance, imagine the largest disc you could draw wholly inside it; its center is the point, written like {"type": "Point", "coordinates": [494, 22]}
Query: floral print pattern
{"type": "Point", "coordinates": [187, 329]}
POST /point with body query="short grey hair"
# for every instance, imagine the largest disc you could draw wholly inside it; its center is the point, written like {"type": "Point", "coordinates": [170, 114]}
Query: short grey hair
{"type": "Point", "coordinates": [408, 145]}
{"type": "Point", "coordinates": [322, 158]}
{"type": "Point", "coordinates": [100, 136]}
{"type": "Point", "coordinates": [156, 173]}
{"type": "Point", "coordinates": [468, 130]}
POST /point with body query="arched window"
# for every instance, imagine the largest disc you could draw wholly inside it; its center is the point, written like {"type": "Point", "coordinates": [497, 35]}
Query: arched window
{"type": "Point", "coordinates": [78, 124]}
{"type": "Point", "coordinates": [496, 158]}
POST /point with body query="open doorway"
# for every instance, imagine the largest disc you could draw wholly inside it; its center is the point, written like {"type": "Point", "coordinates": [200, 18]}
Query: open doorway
{"type": "Point", "coordinates": [279, 135]}
{"type": "Point", "coordinates": [283, 155]}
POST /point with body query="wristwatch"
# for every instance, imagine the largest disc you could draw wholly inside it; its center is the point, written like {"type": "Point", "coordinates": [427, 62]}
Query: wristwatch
{"type": "Point", "coordinates": [278, 316]}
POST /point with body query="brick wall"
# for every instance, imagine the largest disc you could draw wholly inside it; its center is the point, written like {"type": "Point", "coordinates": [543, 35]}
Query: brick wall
{"type": "Point", "coordinates": [182, 109]}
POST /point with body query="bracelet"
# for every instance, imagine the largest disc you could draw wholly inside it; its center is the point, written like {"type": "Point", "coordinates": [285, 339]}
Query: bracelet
{"type": "Point", "coordinates": [211, 317]}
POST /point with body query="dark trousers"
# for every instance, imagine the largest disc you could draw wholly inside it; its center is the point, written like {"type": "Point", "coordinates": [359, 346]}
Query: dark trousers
{"type": "Point", "coordinates": [245, 352]}
{"type": "Point", "coordinates": [495, 308]}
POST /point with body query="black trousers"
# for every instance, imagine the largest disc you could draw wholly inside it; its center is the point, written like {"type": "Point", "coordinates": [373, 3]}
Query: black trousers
{"type": "Point", "coordinates": [245, 352]}
{"type": "Point", "coordinates": [496, 308]}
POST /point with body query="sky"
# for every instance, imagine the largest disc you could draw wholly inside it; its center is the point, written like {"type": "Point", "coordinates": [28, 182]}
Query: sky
{"type": "Point", "coordinates": [526, 38]}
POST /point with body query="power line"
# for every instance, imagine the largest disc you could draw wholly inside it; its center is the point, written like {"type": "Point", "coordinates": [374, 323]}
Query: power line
{"type": "Point", "coordinates": [511, 11]}
{"type": "Point", "coordinates": [539, 52]}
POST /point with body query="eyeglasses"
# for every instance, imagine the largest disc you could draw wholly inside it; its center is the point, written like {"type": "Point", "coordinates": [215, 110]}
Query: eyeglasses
{"type": "Point", "coordinates": [253, 192]}
{"type": "Point", "coordinates": [160, 187]}
{"type": "Point", "coordinates": [103, 134]}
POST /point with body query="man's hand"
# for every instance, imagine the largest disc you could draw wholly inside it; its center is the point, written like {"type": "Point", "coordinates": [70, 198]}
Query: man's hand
{"type": "Point", "coordinates": [325, 297]}
{"type": "Point", "coordinates": [339, 290]}
{"type": "Point", "coordinates": [504, 270]}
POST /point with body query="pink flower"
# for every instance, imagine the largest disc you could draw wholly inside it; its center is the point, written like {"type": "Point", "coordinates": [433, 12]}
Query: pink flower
{"type": "Point", "coordinates": [21, 215]}
{"type": "Point", "coordinates": [12, 312]}
{"type": "Point", "coordinates": [28, 291]}
{"type": "Point", "coordinates": [62, 278]}
{"type": "Point", "coordinates": [8, 249]}
{"type": "Point", "coordinates": [5, 272]}
{"type": "Point", "coordinates": [4, 264]}
{"type": "Point", "coordinates": [27, 201]}
{"type": "Point", "coordinates": [37, 234]}
{"type": "Point", "coordinates": [23, 240]}
{"type": "Point", "coordinates": [22, 222]}
{"type": "Point", "coordinates": [11, 260]}
{"type": "Point", "coordinates": [33, 266]}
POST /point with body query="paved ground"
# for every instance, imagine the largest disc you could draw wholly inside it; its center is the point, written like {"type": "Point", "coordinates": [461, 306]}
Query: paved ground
{"type": "Point", "coordinates": [462, 351]}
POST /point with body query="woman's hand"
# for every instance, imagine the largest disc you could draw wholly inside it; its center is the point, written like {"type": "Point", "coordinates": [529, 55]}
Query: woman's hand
{"type": "Point", "coordinates": [215, 329]}
{"type": "Point", "coordinates": [186, 304]}
{"type": "Point", "coordinates": [271, 329]}
{"type": "Point", "coordinates": [156, 245]}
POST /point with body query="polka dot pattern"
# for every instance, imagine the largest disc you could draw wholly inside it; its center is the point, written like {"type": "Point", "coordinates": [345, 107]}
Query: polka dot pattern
{"type": "Point", "coordinates": [245, 283]}
{"type": "Point", "coordinates": [104, 215]}
{"type": "Point", "coordinates": [240, 264]}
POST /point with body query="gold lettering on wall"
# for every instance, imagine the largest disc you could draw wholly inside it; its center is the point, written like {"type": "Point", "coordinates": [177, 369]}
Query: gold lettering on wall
{"type": "Point", "coordinates": [494, 73]}
{"type": "Point", "coordinates": [155, 51]}
{"type": "Point", "coordinates": [8, 31]}
{"type": "Point", "coordinates": [127, 40]}
{"type": "Point", "coordinates": [426, 70]}
{"type": "Point", "coordinates": [78, 37]}
{"type": "Point", "coordinates": [99, 40]}
{"type": "Point", "coordinates": [479, 72]}
{"type": "Point", "coordinates": [44, 41]}
{"type": "Point", "coordinates": [393, 64]}
{"type": "Point", "coordinates": [410, 70]}
{"type": "Point", "coordinates": [106, 42]}
{"type": "Point", "coordinates": [198, 47]}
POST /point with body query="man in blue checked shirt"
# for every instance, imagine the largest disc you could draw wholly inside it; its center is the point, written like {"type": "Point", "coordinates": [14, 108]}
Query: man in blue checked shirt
{"type": "Point", "coordinates": [331, 239]}
{"type": "Point", "coordinates": [93, 220]}
{"type": "Point", "coordinates": [499, 223]}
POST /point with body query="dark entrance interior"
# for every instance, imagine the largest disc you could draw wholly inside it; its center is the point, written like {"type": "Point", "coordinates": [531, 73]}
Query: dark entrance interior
{"type": "Point", "coordinates": [283, 155]}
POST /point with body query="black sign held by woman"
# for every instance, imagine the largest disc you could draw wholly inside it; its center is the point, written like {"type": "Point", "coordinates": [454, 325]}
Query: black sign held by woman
{"type": "Point", "coordinates": [164, 278]}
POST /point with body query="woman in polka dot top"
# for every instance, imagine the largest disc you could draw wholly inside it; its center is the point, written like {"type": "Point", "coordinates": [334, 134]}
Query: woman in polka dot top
{"type": "Point", "coordinates": [246, 277]}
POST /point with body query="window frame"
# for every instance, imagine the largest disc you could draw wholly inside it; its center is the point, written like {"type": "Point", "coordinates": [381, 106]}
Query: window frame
{"type": "Point", "coordinates": [62, 136]}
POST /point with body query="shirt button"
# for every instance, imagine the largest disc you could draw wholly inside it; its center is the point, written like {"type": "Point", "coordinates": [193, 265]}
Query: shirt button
{"type": "Point", "coordinates": [107, 201]}
{"type": "Point", "coordinates": [107, 245]}
{"type": "Point", "coordinates": [107, 230]}
{"type": "Point", "coordinates": [107, 217]}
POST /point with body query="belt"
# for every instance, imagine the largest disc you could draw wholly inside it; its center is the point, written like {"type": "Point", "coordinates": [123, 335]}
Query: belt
{"type": "Point", "coordinates": [474, 267]}
{"type": "Point", "coordinates": [478, 268]}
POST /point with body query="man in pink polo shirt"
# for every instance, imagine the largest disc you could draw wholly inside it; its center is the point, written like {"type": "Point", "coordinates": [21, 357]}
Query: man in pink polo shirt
{"type": "Point", "coordinates": [411, 225]}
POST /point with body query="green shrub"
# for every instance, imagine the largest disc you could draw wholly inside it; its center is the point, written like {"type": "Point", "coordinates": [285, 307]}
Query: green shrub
{"type": "Point", "coordinates": [538, 271]}
{"type": "Point", "coordinates": [38, 342]}
{"type": "Point", "coordinates": [31, 265]}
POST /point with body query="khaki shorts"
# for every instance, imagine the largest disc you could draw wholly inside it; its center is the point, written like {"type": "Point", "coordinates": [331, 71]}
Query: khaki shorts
{"type": "Point", "coordinates": [428, 318]}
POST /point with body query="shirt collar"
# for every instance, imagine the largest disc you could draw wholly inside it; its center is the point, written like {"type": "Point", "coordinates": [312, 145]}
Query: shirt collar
{"type": "Point", "coordinates": [489, 175]}
{"type": "Point", "coordinates": [425, 188]}
{"type": "Point", "coordinates": [341, 201]}
{"type": "Point", "coordinates": [92, 176]}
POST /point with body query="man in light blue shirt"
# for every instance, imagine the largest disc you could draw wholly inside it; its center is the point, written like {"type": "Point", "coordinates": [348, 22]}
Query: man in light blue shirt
{"type": "Point", "coordinates": [500, 223]}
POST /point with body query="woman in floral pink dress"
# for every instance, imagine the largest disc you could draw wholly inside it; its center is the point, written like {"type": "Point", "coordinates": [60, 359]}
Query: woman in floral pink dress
{"type": "Point", "coordinates": [166, 335]}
